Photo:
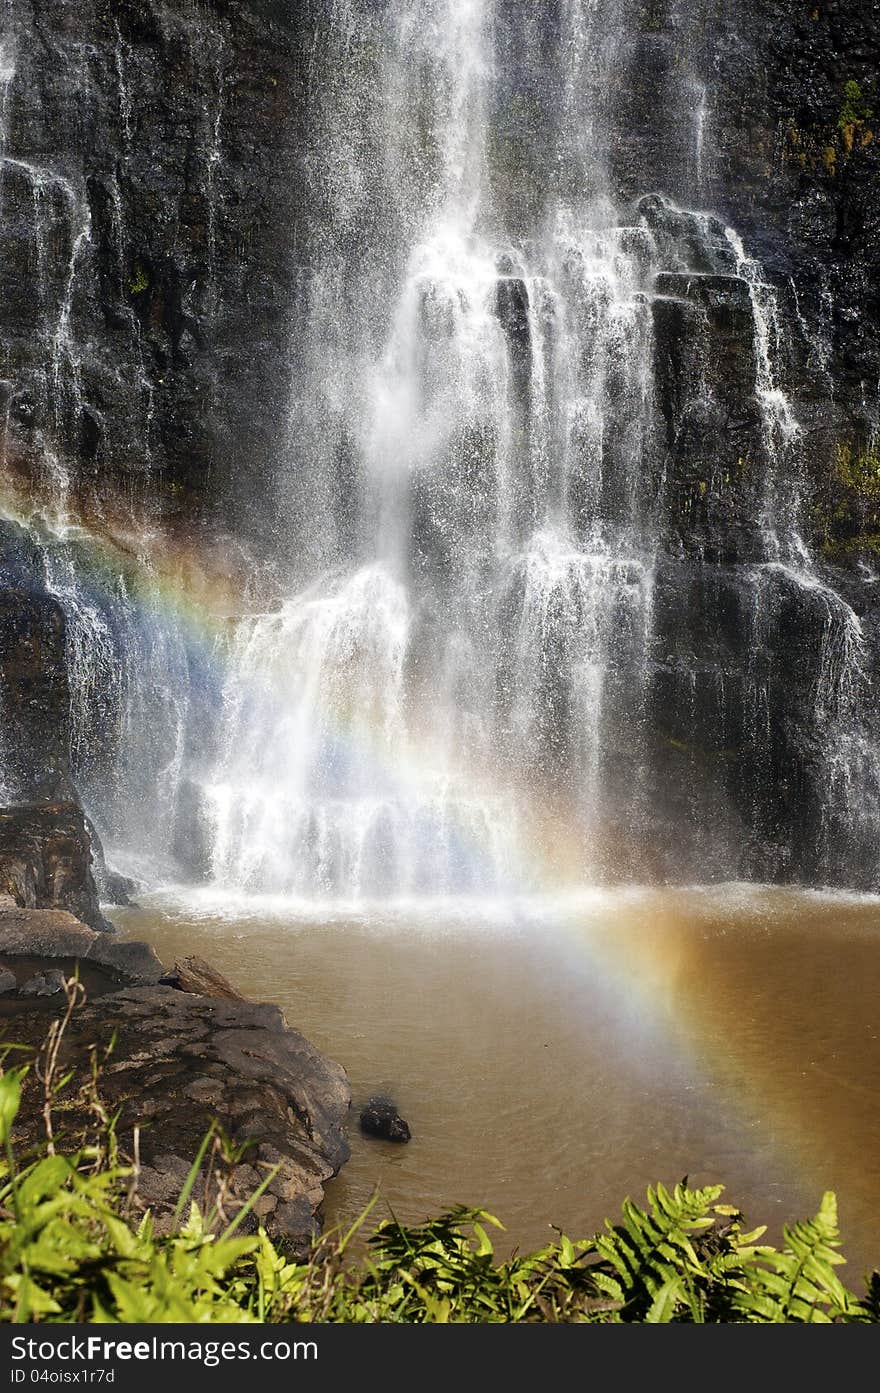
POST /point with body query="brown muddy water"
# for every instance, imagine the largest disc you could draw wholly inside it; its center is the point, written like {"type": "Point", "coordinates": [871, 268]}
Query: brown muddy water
{"type": "Point", "coordinates": [552, 1058]}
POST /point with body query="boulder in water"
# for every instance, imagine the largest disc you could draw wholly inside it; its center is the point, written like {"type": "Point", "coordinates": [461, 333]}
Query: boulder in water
{"type": "Point", "coordinates": [380, 1118]}
{"type": "Point", "coordinates": [118, 889]}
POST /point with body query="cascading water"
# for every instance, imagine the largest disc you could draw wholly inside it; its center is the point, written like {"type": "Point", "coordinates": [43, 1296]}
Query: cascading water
{"type": "Point", "coordinates": [539, 511]}
{"type": "Point", "coordinates": [500, 512]}
{"type": "Point", "coordinates": [479, 408]}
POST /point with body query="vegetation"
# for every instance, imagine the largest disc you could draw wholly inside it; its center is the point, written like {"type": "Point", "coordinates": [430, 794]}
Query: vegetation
{"type": "Point", "coordinates": [140, 280]}
{"type": "Point", "coordinates": [858, 470]}
{"type": "Point", "coordinates": [822, 142]}
{"type": "Point", "coordinates": [846, 510]}
{"type": "Point", "coordinates": [854, 115]}
{"type": "Point", "coordinates": [73, 1248]}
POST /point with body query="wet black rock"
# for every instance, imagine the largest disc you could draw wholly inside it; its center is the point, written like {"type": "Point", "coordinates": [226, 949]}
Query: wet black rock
{"type": "Point", "coordinates": [167, 172]}
{"type": "Point", "coordinates": [117, 889]}
{"type": "Point", "coordinates": [45, 861]}
{"type": "Point", "coordinates": [380, 1118]}
{"type": "Point", "coordinates": [512, 309]}
{"type": "Point", "coordinates": [112, 887]}
{"type": "Point", "coordinates": [694, 243]}
{"type": "Point", "coordinates": [191, 840]}
{"type": "Point", "coordinates": [34, 693]}
{"type": "Point", "coordinates": [45, 850]}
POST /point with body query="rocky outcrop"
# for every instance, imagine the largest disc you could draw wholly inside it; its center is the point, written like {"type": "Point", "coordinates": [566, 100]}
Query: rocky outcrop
{"type": "Point", "coordinates": [34, 695]}
{"type": "Point", "coordinates": [46, 854]}
{"type": "Point", "coordinates": [54, 934]}
{"type": "Point", "coordinates": [150, 208]}
{"type": "Point", "coordinates": [177, 1064]}
{"type": "Point", "coordinates": [45, 861]}
{"type": "Point", "coordinates": [45, 849]}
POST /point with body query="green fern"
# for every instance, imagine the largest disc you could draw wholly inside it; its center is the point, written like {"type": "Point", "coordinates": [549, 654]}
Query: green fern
{"type": "Point", "coordinates": [71, 1249]}
{"type": "Point", "coordinates": [649, 1265]}
{"type": "Point", "coordinates": [799, 1283]}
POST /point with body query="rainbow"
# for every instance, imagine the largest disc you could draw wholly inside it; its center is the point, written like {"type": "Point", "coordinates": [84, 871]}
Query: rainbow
{"type": "Point", "coordinates": [654, 955]}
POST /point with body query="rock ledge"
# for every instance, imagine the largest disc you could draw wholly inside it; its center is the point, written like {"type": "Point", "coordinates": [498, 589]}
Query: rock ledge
{"type": "Point", "coordinates": [180, 1061]}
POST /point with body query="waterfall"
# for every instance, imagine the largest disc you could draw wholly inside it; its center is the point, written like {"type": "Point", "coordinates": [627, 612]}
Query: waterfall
{"type": "Point", "coordinates": [478, 404]}
{"type": "Point", "coordinates": [468, 652]}
{"type": "Point", "coordinates": [538, 542]}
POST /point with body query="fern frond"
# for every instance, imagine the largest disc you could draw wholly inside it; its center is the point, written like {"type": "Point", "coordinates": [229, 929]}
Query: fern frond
{"type": "Point", "coordinates": [798, 1284]}
{"type": "Point", "coordinates": [649, 1262]}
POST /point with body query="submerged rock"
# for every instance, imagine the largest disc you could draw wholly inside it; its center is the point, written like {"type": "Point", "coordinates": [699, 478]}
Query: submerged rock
{"type": "Point", "coordinates": [43, 984]}
{"type": "Point", "coordinates": [380, 1118]}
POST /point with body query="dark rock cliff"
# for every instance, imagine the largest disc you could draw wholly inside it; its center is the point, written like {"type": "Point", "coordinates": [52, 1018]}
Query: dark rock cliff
{"type": "Point", "coordinates": [149, 206]}
{"type": "Point", "coordinates": [798, 156]}
{"type": "Point", "coordinates": [45, 853]}
{"type": "Point", "coordinates": [767, 113]}
{"type": "Point", "coordinates": [744, 751]}
{"type": "Point", "coordinates": [34, 697]}
{"type": "Point", "coordinates": [149, 213]}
